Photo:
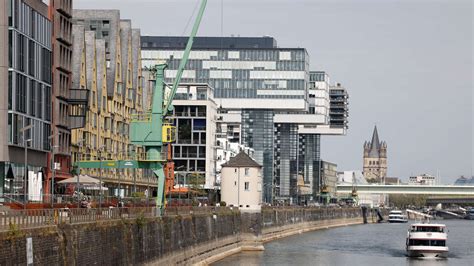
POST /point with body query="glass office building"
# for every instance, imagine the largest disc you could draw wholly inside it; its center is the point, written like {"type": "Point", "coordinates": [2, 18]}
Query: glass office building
{"type": "Point", "coordinates": [259, 87]}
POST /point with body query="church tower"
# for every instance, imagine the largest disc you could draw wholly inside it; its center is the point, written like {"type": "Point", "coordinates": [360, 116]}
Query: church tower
{"type": "Point", "coordinates": [375, 159]}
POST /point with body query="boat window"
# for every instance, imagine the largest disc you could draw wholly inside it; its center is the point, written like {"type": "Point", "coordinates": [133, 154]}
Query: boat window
{"type": "Point", "coordinates": [426, 242]}
{"type": "Point", "coordinates": [428, 229]}
{"type": "Point", "coordinates": [439, 243]}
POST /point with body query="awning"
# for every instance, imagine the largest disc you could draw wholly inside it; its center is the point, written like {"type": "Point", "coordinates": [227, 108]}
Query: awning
{"type": "Point", "coordinates": [81, 179]}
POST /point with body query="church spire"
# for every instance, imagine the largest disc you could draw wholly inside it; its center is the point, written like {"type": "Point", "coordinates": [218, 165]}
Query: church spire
{"type": "Point", "coordinates": [375, 144]}
{"type": "Point", "coordinates": [375, 139]}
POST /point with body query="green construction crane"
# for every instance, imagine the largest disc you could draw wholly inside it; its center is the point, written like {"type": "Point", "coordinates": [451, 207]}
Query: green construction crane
{"type": "Point", "coordinates": [150, 130]}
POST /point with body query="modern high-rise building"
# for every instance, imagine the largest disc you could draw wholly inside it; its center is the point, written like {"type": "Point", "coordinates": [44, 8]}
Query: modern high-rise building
{"type": "Point", "coordinates": [266, 98]}
{"type": "Point", "coordinates": [375, 159]}
{"type": "Point", "coordinates": [107, 64]}
{"type": "Point", "coordinates": [26, 100]}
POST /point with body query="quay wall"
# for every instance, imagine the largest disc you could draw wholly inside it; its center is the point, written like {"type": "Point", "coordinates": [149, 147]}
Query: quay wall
{"type": "Point", "coordinates": [199, 238]}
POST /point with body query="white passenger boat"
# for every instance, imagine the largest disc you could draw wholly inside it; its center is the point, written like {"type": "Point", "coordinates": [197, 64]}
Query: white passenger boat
{"type": "Point", "coordinates": [427, 240]}
{"type": "Point", "coordinates": [397, 216]}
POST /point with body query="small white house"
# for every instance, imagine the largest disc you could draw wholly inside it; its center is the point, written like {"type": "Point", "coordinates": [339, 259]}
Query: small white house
{"type": "Point", "coordinates": [241, 183]}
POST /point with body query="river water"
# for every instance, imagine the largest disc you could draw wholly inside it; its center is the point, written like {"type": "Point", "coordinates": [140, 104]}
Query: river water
{"type": "Point", "coordinates": [369, 244]}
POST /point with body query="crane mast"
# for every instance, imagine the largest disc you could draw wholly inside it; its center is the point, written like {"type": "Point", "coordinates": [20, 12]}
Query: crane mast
{"type": "Point", "coordinates": [150, 130]}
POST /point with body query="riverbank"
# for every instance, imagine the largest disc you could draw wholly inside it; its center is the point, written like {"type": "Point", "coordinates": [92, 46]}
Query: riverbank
{"type": "Point", "coordinates": [279, 223]}
{"type": "Point", "coordinates": [198, 236]}
{"type": "Point", "coordinates": [275, 234]}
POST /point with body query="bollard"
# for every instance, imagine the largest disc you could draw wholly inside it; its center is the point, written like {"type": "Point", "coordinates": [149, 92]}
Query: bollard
{"type": "Point", "coordinates": [364, 214]}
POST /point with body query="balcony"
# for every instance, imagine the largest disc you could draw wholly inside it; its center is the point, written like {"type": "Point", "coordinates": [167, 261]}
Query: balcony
{"type": "Point", "coordinates": [78, 96]}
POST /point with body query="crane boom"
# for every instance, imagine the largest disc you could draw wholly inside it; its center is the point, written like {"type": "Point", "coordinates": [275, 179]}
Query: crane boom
{"type": "Point", "coordinates": [169, 107]}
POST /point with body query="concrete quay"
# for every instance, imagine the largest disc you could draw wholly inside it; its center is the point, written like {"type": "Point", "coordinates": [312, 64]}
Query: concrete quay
{"type": "Point", "coordinates": [186, 239]}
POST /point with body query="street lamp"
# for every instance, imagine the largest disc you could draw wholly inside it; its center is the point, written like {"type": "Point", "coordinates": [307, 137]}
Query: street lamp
{"type": "Point", "coordinates": [53, 167]}
{"type": "Point", "coordinates": [23, 131]}
{"type": "Point", "coordinates": [79, 143]}
{"type": "Point", "coordinates": [100, 176]}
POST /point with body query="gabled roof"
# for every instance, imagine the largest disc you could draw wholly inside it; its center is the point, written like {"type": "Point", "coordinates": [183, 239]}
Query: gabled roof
{"type": "Point", "coordinates": [241, 160]}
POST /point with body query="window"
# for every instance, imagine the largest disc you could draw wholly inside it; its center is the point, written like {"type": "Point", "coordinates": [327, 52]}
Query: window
{"type": "Point", "coordinates": [32, 97]}
{"type": "Point", "coordinates": [47, 101]}
{"type": "Point", "coordinates": [247, 186]}
{"type": "Point", "coordinates": [21, 93]}
{"type": "Point", "coordinates": [31, 58]}
{"type": "Point", "coordinates": [10, 48]}
{"type": "Point", "coordinates": [10, 91]}
{"type": "Point", "coordinates": [247, 170]}
{"type": "Point", "coordinates": [20, 45]}
{"type": "Point", "coordinates": [39, 101]}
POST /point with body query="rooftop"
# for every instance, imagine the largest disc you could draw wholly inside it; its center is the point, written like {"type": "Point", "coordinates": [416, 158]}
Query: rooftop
{"type": "Point", "coordinates": [241, 160]}
{"type": "Point", "coordinates": [179, 42]}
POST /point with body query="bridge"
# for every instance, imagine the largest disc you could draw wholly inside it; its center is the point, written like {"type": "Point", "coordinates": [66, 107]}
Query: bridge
{"type": "Point", "coordinates": [407, 189]}
{"type": "Point", "coordinates": [450, 200]}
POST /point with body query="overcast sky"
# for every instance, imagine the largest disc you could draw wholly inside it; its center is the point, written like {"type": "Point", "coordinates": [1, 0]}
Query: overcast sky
{"type": "Point", "coordinates": [407, 64]}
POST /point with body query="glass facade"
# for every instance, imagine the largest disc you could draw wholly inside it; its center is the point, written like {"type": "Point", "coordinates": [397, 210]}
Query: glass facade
{"type": "Point", "coordinates": [286, 159]}
{"type": "Point", "coordinates": [29, 76]}
{"type": "Point", "coordinates": [258, 134]}
{"type": "Point", "coordinates": [309, 158]}
{"type": "Point", "coordinates": [247, 73]}
{"type": "Point", "coordinates": [29, 94]}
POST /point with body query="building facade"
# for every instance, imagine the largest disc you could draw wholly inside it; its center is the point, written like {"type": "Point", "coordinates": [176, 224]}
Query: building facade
{"type": "Point", "coordinates": [263, 98]}
{"type": "Point", "coordinates": [242, 183]}
{"type": "Point", "coordinates": [107, 64]}
{"type": "Point", "coordinates": [329, 178]}
{"type": "Point", "coordinates": [60, 14]}
{"type": "Point", "coordinates": [26, 100]}
{"type": "Point", "coordinates": [375, 159]}
{"type": "Point", "coordinates": [194, 115]}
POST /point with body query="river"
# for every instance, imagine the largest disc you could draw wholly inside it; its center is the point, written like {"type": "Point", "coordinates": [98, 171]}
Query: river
{"type": "Point", "coordinates": [369, 244]}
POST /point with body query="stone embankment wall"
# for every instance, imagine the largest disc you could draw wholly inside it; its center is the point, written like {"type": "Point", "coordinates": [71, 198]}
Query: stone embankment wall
{"type": "Point", "coordinates": [283, 222]}
{"type": "Point", "coordinates": [175, 239]}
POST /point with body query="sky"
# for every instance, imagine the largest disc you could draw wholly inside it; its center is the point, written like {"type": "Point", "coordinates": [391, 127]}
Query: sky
{"type": "Point", "coordinates": [407, 65]}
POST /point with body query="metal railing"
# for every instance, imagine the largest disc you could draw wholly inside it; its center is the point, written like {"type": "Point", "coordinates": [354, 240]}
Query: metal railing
{"type": "Point", "coordinates": [18, 219]}
{"type": "Point", "coordinates": [30, 218]}
{"type": "Point", "coordinates": [17, 201]}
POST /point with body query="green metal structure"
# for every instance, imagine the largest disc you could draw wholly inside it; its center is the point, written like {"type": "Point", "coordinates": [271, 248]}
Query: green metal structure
{"type": "Point", "coordinates": [149, 130]}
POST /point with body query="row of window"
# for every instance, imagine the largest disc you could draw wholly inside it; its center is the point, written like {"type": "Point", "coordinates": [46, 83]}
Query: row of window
{"type": "Point", "coordinates": [205, 66]}
{"type": "Point", "coordinates": [190, 165]}
{"type": "Point", "coordinates": [23, 18]}
{"type": "Point", "coordinates": [38, 135]}
{"type": "Point", "coordinates": [256, 55]}
{"type": "Point", "coordinates": [29, 96]}
{"type": "Point", "coordinates": [27, 56]}
{"type": "Point", "coordinates": [189, 151]}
